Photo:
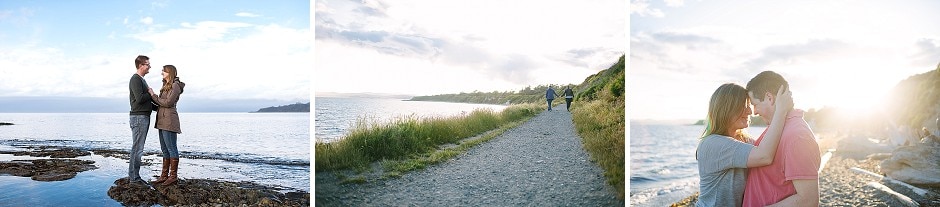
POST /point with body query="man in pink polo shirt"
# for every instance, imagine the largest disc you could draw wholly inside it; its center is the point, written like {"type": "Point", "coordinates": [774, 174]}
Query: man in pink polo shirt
{"type": "Point", "coordinates": [792, 179]}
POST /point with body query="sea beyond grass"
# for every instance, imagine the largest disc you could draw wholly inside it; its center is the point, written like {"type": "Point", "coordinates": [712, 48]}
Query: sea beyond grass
{"type": "Point", "coordinates": [369, 142]}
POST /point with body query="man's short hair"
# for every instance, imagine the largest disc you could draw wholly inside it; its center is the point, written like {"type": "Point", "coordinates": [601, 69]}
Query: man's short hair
{"type": "Point", "coordinates": [764, 82]}
{"type": "Point", "coordinates": [140, 60]}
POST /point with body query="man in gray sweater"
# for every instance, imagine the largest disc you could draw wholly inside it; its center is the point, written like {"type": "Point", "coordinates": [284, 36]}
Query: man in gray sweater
{"type": "Point", "coordinates": [141, 107]}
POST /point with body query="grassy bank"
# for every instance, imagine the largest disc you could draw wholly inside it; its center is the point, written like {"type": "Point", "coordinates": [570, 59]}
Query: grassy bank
{"type": "Point", "coordinates": [395, 168]}
{"type": "Point", "coordinates": [411, 136]}
{"type": "Point", "coordinates": [598, 115]}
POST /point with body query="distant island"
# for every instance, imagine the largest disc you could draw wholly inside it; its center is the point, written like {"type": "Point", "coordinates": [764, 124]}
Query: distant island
{"type": "Point", "coordinates": [297, 107]}
{"type": "Point", "coordinates": [5, 123]}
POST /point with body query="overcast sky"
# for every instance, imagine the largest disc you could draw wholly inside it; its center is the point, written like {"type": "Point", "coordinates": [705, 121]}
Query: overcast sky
{"type": "Point", "coordinates": [449, 46]}
{"type": "Point", "coordinates": [222, 49]}
{"type": "Point", "coordinates": [834, 53]}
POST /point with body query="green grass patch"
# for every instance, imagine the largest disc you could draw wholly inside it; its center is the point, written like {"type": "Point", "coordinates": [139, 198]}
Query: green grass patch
{"type": "Point", "coordinates": [599, 118]}
{"type": "Point", "coordinates": [408, 137]}
{"type": "Point", "coordinates": [398, 167]}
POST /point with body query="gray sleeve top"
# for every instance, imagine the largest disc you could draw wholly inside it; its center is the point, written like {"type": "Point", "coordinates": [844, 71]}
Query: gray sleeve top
{"type": "Point", "coordinates": [722, 166]}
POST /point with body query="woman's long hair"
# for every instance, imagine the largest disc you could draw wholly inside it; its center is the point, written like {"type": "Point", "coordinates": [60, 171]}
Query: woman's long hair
{"type": "Point", "coordinates": [168, 81]}
{"type": "Point", "coordinates": [726, 105]}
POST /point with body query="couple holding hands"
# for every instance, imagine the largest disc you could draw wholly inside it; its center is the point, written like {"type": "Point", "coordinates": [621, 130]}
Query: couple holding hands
{"type": "Point", "coordinates": [143, 102]}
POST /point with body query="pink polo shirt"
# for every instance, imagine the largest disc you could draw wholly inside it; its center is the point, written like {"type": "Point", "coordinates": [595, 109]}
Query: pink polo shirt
{"type": "Point", "coordinates": [797, 158]}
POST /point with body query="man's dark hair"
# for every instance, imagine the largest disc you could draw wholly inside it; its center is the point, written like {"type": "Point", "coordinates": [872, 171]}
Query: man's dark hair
{"type": "Point", "coordinates": [766, 82]}
{"type": "Point", "coordinates": [140, 60]}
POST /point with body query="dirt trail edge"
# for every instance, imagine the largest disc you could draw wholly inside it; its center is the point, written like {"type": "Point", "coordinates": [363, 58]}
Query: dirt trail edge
{"type": "Point", "coordinates": [539, 163]}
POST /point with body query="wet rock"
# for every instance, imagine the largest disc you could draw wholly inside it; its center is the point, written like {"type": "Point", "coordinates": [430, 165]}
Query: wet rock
{"type": "Point", "coordinates": [201, 192]}
{"type": "Point", "coordinates": [112, 153]}
{"type": "Point", "coordinates": [52, 152]}
{"type": "Point", "coordinates": [46, 169]}
{"type": "Point", "coordinates": [133, 193]}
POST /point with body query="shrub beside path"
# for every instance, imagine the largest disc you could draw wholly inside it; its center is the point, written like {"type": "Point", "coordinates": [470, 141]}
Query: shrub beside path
{"type": "Point", "coordinates": [539, 163]}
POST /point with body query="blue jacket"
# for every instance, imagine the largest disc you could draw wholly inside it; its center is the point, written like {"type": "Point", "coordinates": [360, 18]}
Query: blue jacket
{"type": "Point", "coordinates": [550, 93]}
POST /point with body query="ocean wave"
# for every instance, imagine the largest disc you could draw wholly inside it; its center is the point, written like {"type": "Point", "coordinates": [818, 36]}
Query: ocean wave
{"type": "Point", "coordinates": [663, 194]}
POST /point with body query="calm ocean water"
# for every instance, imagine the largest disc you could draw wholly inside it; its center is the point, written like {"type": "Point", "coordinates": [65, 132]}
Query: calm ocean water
{"type": "Point", "coordinates": [335, 116]}
{"type": "Point", "coordinates": [266, 148]}
{"type": "Point", "coordinates": [663, 169]}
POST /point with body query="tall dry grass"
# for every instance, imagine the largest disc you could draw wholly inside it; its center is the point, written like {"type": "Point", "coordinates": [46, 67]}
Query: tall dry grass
{"type": "Point", "coordinates": [372, 141]}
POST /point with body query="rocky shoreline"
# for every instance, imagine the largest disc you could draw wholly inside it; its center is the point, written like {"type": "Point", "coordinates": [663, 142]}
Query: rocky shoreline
{"type": "Point", "coordinates": [202, 192]}
{"type": "Point", "coordinates": [64, 163]}
{"type": "Point", "coordinates": [54, 169]}
{"type": "Point", "coordinates": [840, 186]}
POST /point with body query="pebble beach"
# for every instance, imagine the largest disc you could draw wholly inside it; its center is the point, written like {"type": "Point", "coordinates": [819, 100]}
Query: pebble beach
{"type": "Point", "coordinates": [839, 185]}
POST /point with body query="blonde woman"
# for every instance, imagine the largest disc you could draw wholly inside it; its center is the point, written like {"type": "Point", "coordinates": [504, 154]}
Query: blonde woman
{"type": "Point", "coordinates": [725, 151]}
{"type": "Point", "coordinates": [168, 122]}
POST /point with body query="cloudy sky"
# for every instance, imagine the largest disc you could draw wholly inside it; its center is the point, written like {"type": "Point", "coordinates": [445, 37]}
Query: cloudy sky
{"type": "Point", "coordinates": [450, 46]}
{"type": "Point", "coordinates": [222, 49]}
{"type": "Point", "coordinates": [842, 53]}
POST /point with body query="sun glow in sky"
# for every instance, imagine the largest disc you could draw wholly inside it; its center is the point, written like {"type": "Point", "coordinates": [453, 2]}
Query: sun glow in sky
{"type": "Point", "coordinates": [844, 54]}
{"type": "Point", "coordinates": [436, 47]}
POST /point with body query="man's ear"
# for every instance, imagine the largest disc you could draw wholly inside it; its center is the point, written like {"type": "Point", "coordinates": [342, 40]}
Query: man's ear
{"type": "Point", "coordinates": [769, 97]}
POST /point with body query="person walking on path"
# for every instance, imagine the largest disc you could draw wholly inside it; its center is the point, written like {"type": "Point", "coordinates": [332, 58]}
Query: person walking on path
{"type": "Point", "coordinates": [141, 107]}
{"type": "Point", "coordinates": [168, 123]}
{"type": "Point", "coordinates": [550, 96]}
{"type": "Point", "coordinates": [569, 95]}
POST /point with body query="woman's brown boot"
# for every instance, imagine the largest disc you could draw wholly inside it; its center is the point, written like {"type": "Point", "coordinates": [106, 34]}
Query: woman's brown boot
{"type": "Point", "coordinates": [163, 174]}
{"type": "Point", "coordinates": [174, 167]}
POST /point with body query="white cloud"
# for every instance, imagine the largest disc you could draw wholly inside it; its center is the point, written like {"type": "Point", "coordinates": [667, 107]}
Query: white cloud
{"type": "Point", "coordinates": [237, 60]}
{"type": "Point", "coordinates": [90, 76]}
{"type": "Point", "coordinates": [500, 44]}
{"type": "Point", "coordinates": [674, 3]}
{"type": "Point", "coordinates": [146, 20]}
{"type": "Point", "coordinates": [677, 63]}
{"type": "Point", "coordinates": [218, 60]}
{"type": "Point", "coordinates": [189, 35]}
{"type": "Point", "coordinates": [642, 8]}
{"type": "Point", "coordinates": [247, 14]}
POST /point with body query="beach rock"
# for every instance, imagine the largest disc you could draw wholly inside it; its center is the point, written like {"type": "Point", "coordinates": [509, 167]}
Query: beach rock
{"type": "Point", "coordinates": [112, 153]}
{"type": "Point", "coordinates": [46, 169]}
{"type": "Point", "coordinates": [202, 192]}
{"type": "Point", "coordinates": [133, 193]}
{"type": "Point", "coordinates": [688, 201]}
{"type": "Point", "coordinates": [858, 147]}
{"type": "Point", "coordinates": [914, 165]}
{"type": "Point", "coordinates": [52, 152]}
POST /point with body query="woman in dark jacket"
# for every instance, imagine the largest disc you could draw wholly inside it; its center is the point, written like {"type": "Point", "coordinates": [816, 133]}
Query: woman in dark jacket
{"type": "Point", "coordinates": [168, 122]}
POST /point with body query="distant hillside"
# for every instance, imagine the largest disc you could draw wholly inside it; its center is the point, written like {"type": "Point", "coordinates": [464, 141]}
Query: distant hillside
{"type": "Point", "coordinates": [525, 95]}
{"type": "Point", "coordinates": [607, 85]}
{"type": "Point", "coordinates": [297, 107]}
{"type": "Point", "coordinates": [915, 101]}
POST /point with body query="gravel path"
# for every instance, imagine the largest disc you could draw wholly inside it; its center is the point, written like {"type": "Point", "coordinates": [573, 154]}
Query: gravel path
{"type": "Point", "coordinates": [539, 163]}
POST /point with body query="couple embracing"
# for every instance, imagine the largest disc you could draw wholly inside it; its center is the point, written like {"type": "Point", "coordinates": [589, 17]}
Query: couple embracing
{"type": "Point", "coordinates": [780, 168]}
{"type": "Point", "coordinates": [143, 102]}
